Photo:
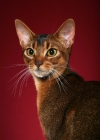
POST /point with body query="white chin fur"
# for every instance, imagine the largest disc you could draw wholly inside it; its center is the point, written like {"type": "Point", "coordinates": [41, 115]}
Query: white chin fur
{"type": "Point", "coordinates": [40, 74]}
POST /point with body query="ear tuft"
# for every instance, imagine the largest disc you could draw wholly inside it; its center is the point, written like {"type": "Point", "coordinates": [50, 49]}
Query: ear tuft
{"type": "Point", "coordinates": [66, 32]}
{"type": "Point", "coordinates": [25, 35]}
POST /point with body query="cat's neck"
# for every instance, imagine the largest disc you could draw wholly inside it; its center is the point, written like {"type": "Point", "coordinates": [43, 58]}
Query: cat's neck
{"type": "Point", "coordinates": [44, 86]}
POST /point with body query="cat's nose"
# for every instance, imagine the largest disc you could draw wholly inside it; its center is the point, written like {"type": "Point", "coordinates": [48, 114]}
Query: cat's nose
{"type": "Point", "coordinates": [38, 63]}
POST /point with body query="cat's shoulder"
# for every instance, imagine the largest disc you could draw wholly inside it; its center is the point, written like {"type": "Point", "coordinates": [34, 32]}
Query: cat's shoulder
{"type": "Point", "coordinates": [78, 82]}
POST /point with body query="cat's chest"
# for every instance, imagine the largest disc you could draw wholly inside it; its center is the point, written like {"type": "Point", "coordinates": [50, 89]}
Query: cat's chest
{"type": "Point", "coordinates": [50, 116]}
{"type": "Point", "coordinates": [54, 118]}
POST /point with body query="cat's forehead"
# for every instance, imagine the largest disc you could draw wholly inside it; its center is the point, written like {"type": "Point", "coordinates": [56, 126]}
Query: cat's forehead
{"type": "Point", "coordinates": [45, 41]}
{"type": "Point", "coordinates": [41, 38]}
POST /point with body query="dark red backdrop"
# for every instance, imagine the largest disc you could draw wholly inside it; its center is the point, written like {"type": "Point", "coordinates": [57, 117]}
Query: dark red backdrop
{"type": "Point", "coordinates": [18, 116]}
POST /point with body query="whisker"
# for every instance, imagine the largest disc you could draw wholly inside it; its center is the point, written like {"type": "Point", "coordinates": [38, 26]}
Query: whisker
{"type": "Point", "coordinates": [23, 81]}
{"type": "Point", "coordinates": [25, 76]}
{"type": "Point", "coordinates": [53, 28]}
{"type": "Point", "coordinates": [62, 76]}
{"type": "Point", "coordinates": [66, 66]}
{"type": "Point", "coordinates": [57, 77]}
{"type": "Point", "coordinates": [17, 81]}
{"type": "Point", "coordinates": [56, 81]}
{"type": "Point", "coordinates": [15, 65]}
{"type": "Point", "coordinates": [64, 88]}
{"type": "Point", "coordinates": [70, 67]}
{"type": "Point", "coordinates": [19, 73]}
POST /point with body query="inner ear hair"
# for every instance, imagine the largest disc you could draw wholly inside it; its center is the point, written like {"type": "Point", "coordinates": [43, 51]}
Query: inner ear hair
{"type": "Point", "coordinates": [66, 32]}
{"type": "Point", "coordinates": [25, 35]}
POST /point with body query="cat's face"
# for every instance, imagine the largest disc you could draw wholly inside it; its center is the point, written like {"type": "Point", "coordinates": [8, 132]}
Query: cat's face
{"type": "Point", "coordinates": [45, 60]}
{"type": "Point", "coordinates": [46, 55]}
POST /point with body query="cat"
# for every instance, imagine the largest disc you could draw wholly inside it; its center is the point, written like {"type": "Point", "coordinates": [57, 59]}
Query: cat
{"type": "Point", "coordinates": [68, 106]}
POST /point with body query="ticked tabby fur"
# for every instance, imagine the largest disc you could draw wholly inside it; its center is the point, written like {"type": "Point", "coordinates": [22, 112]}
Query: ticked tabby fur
{"type": "Point", "coordinates": [68, 106]}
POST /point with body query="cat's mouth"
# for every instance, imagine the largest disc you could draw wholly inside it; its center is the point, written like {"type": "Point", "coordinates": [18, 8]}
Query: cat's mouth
{"type": "Point", "coordinates": [41, 74]}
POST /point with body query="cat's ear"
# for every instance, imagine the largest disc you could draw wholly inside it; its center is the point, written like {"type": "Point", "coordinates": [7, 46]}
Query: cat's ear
{"type": "Point", "coordinates": [66, 32]}
{"type": "Point", "coordinates": [25, 35]}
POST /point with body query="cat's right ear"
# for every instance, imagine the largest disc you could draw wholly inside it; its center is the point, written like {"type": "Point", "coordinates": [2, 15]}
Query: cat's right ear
{"type": "Point", "coordinates": [25, 35]}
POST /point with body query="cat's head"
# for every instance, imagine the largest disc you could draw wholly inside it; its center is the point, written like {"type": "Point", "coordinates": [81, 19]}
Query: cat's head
{"type": "Point", "coordinates": [46, 55]}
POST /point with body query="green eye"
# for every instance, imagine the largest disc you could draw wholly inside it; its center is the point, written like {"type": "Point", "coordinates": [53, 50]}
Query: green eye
{"type": "Point", "coordinates": [52, 52]}
{"type": "Point", "coordinates": [30, 52]}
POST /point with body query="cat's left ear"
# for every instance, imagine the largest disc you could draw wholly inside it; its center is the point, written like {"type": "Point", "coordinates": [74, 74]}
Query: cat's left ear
{"type": "Point", "coordinates": [25, 35]}
{"type": "Point", "coordinates": [66, 32]}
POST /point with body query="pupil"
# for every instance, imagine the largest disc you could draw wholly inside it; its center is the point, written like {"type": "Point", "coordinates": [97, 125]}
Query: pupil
{"type": "Point", "coordinates": [51, 51]}
{"type": "Point", "coordinates": [31, 51]}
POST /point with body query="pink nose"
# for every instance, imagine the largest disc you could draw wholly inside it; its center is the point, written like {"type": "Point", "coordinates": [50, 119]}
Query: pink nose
{"type": "Point", "coordinates": [38, 63]}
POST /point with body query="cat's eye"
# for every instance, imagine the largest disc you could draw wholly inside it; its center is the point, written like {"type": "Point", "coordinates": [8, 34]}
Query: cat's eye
{"type": "Point", "coordinates": [30, 52]}
{"type": "Point", "coordinates": [51, 52]}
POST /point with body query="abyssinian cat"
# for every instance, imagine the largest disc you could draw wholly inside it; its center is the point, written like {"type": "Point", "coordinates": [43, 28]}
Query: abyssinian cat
{"type": "Point", "coordinates": [68, 106]}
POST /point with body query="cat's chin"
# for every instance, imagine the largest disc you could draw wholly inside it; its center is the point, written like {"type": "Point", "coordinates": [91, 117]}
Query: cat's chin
{"type": "Point", "coordinates": [41, 74]}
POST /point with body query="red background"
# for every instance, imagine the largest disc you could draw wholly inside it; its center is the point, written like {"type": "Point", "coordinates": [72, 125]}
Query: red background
{"type": "Point", "coordinates": [18, 115]}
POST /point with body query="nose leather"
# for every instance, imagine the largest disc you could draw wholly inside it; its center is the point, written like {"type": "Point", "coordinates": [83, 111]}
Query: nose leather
{"type": "Point", "coordinates": [38, 63]}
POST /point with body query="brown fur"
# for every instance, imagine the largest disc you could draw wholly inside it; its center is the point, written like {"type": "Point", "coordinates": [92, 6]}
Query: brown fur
{"type": "Point", "coordinates": [68, 106]}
